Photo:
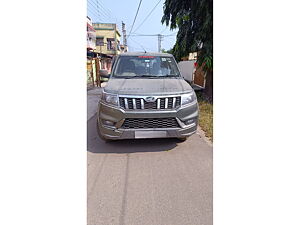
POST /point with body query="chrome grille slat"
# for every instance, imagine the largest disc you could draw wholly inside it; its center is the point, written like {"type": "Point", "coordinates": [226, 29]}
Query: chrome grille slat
{"type": "Point", "coordinates": [174, 102]}
{"type": "Point", "coordinates": [142, 104]}
{"type": "Point", "coordinates": [163, 103]}
{"type": "Point", "coordinates": [134, 103]}
{"type": "Point", "coordinates": [166, 103]}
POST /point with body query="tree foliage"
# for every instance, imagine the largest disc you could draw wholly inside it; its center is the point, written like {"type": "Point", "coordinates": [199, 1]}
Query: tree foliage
{"type": "Point", "coordinates": [170, 51]}
{"type": "Point", "coordinates": [194, 20]}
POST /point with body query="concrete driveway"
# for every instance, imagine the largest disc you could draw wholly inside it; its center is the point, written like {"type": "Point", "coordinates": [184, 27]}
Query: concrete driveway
{"type": "Point", "coordinates": [152, 181]}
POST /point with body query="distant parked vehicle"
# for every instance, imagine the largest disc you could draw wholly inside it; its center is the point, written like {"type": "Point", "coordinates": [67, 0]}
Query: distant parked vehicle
{"type": "Point", "coordinates": [192, 74]}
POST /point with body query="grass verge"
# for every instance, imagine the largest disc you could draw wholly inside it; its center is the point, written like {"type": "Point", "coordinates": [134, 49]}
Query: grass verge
{"type": "Point", "coordinates": [206, 116]}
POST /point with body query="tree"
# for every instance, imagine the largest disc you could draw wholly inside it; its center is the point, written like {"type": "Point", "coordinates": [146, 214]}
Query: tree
{"type": "Point", "coordinates": [167, 51]}
{"type": "Point", "coordinates": [194, 20]}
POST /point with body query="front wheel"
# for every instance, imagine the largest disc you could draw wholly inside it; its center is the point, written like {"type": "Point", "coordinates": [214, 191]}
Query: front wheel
{"type": "Point", "coordinates": [182, 139]}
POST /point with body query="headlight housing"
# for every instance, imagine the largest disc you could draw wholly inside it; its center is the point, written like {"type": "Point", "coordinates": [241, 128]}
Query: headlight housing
{"type": "Point", "coordinates": [111, 99]}
{"type": "Point", "coordinates": [188, 98]}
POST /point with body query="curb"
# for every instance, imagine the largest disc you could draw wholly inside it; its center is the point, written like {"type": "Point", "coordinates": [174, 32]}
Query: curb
{"type": "Point", "coordinates": [201, 133]}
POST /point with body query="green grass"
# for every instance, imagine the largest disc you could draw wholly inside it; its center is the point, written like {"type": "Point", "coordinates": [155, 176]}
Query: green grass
{"type": "Point", "coordinates": [206, 116]}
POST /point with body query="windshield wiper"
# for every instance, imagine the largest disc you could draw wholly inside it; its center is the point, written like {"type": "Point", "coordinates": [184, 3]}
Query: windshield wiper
{"type": "Point", "coordinates": [146, 75]}
{"type": "Point", "coordinates": [158, 76]}
{"type": "Point", "coordinates": [141, 76]}
{"type": "Point", "coordinates": [170, 75]}
{"type": "Point", "coordinates": [125, 77]}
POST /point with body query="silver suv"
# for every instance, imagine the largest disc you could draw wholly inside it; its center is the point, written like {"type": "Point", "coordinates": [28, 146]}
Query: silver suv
{"type": "Point", "coordinates": [146, 97]}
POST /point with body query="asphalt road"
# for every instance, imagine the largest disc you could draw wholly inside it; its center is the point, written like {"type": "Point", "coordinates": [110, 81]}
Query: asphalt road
{"type": "Point", "coordinates": [151, 181]}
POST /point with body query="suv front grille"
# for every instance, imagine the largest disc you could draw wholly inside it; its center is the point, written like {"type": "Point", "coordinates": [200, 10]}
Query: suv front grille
{"type": "Point", "coordinates": [140, 123]}
{"type": "Point", "coordinates": [159, 103]}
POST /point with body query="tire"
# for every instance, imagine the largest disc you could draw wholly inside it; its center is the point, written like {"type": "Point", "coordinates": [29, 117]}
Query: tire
{"type": "Point", "coordinates": [182, 139]}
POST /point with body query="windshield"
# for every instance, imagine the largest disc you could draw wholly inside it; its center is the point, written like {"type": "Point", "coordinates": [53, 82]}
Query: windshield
{"type": "Point", "coordinates": [145, 66]}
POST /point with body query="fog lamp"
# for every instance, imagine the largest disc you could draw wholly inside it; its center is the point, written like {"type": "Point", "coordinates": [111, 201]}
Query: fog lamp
{"type": "Point", "coordinates": [190, 121]}
{"type": "Point", "coordinates": [108, 123]}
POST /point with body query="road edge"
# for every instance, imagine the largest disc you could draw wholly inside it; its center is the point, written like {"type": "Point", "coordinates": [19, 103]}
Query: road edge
{"type": "Point", "coordinates": [202, 135]}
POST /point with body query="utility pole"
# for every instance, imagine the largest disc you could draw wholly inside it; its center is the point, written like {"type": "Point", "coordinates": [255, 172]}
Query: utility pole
{"type": "Point", "coordinates": [124, 36]}
{"type": "Point", "coordinates": [160, 38]}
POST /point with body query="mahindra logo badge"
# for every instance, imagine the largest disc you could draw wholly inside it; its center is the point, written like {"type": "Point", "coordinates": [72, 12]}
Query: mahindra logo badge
{"type": "Point", "coordinates": [150, 99]}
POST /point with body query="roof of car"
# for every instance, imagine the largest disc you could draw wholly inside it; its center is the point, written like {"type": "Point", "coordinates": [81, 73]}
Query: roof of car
{"type": "Point", "coordinates": [145, 53]}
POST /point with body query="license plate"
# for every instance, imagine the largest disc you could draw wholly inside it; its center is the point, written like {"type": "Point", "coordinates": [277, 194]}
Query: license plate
{"type": "Point", "coordinates": [150, 134]}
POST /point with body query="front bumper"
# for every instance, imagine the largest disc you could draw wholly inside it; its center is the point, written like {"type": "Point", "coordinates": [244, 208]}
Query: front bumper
{"type": "Point", "coordinates": [118, 116]}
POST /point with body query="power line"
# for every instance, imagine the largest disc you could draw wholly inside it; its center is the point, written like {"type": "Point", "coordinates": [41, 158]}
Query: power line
{"type": "Point", "coordinates": [160, 38]}
{"type": "Point", "coordinates": [168, 41]}
{"type": "Point", "coordinates": [133, 35]}
{"type": "Point", "coordinates": [108, 11]}
{"type": "Point", "coordinates": [168, 35]}
{"type": "Point", "coordinates": [135, 17]}
{"type": "Point", "coordinates": [105, 12]}
{"type": "Point", "coordinates": [94, 11]}
{"type": "Point", "coordinates": [93, 6]}
{"type": "Point", "coordinates": [139, 44]}
{"type": "Point", "coordinates": [148, 16]}
{"type": "Point", "coordinates": [97, 6]}
{"type": "Point", "coordinates": [90, 11]}
{"type": "Point", "coordinates": [163, 30]}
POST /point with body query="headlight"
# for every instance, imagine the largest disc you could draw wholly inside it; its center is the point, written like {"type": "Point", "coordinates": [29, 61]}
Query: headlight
{"type": "Point", "coordinates": [109, 98]}
{"type": "Point", "coordinates": [188, 98]}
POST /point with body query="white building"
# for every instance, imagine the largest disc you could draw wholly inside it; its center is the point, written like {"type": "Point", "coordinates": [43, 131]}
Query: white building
{"type": "Point", "coordinates": [90, 35]}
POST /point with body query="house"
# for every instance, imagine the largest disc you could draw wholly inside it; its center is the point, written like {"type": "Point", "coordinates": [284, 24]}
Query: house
{"type": "Point", "coordinates": [90, 35]}
{"type": "Point", "coordinates": [98, 59]}
{"type": "Point", "coordinates": [90, 47]}
{"type": "Point", "coordinates": [107, 38]}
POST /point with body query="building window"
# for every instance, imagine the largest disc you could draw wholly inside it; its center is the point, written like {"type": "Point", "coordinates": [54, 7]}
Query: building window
{"type": "Point", "coordinates": [110, 44]}
{"type": "Point", "coordinates": [99, 42]}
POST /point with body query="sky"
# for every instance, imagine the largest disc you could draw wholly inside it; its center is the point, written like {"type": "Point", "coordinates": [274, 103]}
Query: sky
{"type": "Point", "coordinates": [116, 11]}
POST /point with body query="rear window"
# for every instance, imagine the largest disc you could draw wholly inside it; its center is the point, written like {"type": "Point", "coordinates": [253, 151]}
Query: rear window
{"type": "Point", "coordinates": [135, 66]}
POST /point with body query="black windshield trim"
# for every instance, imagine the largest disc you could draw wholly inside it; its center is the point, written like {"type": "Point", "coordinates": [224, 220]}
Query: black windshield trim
{"type": "Point", "coordinates": [146, 76]}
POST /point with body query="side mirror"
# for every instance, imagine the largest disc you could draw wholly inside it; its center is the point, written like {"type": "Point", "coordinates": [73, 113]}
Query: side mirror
{"type": "Point", "coordinates": [106, 76]}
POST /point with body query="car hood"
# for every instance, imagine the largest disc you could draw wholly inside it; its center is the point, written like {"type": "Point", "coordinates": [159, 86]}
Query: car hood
{"type": "Point", "coordinates": [147, 86]}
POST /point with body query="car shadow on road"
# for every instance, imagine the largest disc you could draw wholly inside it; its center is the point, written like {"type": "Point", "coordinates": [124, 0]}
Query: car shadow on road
{"type": "Point", "coordinates": [96, 145]}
